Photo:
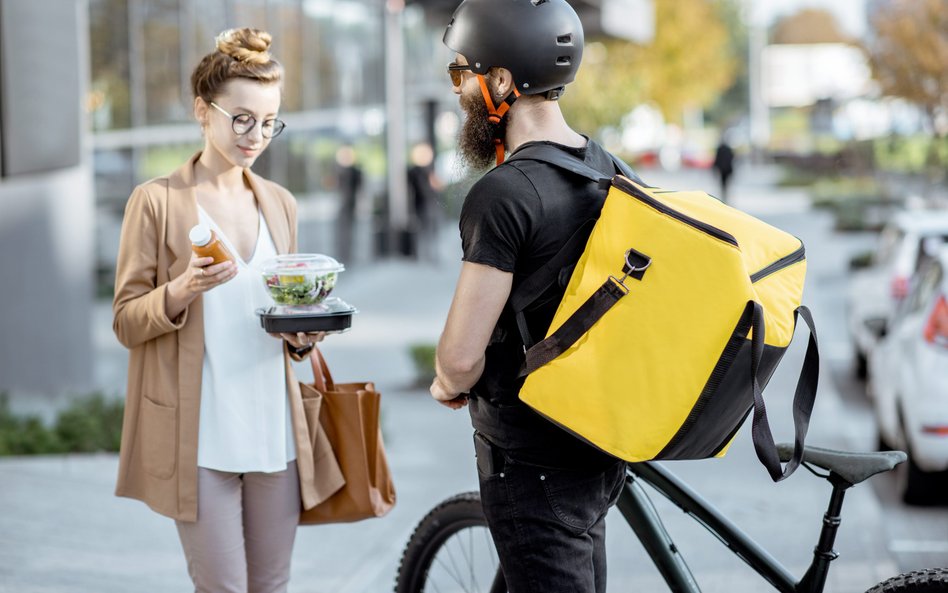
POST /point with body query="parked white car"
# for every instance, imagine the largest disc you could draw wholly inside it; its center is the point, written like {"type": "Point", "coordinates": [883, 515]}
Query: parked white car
{"type": "Point", "coordinates": [909, 383]}
{"type": "Point", "coordinates": [874, 291]}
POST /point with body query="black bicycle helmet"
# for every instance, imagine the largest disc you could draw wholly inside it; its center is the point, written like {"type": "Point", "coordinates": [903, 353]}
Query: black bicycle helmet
{"type": "Point", "coordinates": [539, 41]}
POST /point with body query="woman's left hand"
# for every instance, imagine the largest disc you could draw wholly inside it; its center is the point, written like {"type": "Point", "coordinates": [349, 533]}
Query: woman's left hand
{"type": "Point", "coordinates": [301, 339]}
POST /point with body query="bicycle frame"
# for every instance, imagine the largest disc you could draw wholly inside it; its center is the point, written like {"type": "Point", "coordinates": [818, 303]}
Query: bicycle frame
{"type": "Point", "coordinates": [642, 517]}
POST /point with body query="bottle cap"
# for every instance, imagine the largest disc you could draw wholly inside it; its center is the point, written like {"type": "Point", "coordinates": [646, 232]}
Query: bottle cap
{"type": "Point", "coordinates": [200, 235]}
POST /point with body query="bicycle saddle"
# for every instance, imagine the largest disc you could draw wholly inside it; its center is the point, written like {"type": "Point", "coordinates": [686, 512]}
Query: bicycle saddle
{"type": "Point", "coordinates": [851, 466]}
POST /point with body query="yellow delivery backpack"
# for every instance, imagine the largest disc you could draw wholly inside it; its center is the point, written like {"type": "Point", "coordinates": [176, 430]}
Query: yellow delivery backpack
{"type": "Point", "coordinates": [674, 318]}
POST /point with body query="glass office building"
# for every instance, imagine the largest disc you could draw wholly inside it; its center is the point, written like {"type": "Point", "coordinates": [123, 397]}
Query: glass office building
{"type": "Point", "coordinates": [333, 52]}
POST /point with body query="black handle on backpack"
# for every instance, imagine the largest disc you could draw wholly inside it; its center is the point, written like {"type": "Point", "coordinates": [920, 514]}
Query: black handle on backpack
{"type": "Point", "coordinates": [583, 318]}
{"type": "Point", "coordinates": [580, 322]}
{"type": "Point", "coordinates": [803, 398]}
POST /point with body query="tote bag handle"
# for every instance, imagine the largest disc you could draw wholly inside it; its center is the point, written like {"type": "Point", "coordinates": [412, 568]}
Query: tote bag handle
{"type": "Point", "coordinates": [322, 378]}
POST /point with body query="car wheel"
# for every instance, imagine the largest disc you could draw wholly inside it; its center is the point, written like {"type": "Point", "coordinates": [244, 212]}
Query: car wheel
{"type": "Point", "coordinates": [924, 488]}
{"type": "Point", "coordinates": [921, 488]}
{"type": "Point", "coordinates": [914, 489]}
{"type": "Point", "coordinates": [881, 445]}
{"type": "Point", "coordinates": [861, 366]}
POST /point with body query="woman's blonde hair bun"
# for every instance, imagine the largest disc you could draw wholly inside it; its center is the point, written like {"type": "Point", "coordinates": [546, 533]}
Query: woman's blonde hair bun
{"type": "Point", "coordinates": [245, 45]}
{"type": "Point", "coordinates": [240, 53]}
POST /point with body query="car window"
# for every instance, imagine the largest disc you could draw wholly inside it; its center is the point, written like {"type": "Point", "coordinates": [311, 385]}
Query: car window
{"type": "Point", "coordinates": [926, 284]}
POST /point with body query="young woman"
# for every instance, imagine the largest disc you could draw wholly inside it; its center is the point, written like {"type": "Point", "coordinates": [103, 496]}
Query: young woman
{"type": "Point", "coordinates": [214, 433]}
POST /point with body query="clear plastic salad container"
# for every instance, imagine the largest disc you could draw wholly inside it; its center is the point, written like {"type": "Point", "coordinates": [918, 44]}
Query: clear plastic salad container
{"type": "Point", "coordinates": [300, 278]}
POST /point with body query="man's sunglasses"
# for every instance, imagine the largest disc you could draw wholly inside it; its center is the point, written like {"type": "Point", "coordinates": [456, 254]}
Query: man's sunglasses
{"type": "Point", "coordinates": [455, 72]}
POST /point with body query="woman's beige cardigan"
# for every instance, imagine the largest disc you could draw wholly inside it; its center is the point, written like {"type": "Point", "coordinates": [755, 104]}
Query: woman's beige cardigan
{"type": "Point", "coordinates": [158, 459]}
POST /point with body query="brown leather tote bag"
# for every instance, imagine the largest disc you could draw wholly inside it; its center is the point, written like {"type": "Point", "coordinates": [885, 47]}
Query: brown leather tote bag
{"type": "Point", "coordinates": [349, 416]}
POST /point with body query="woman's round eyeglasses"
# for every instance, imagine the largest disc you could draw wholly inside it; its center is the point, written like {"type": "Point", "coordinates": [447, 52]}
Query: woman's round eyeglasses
{"type": "Point", "coordinates": [242, 123]}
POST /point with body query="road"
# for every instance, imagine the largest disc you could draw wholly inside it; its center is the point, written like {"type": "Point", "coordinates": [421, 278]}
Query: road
{"type": "Point", "coordinates": [64, 532]}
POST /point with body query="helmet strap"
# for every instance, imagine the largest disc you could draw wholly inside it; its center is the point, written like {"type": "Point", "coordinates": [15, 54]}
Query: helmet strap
{"type": "Point", "coordinates": [495, 113]}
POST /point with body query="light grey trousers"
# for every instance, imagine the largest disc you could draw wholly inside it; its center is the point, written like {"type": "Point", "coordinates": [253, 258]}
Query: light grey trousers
{"type": "Point", "coordinates": [243, 538]}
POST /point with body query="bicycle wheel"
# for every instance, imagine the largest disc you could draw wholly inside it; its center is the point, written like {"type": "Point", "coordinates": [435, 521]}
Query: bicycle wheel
{"type": "Point", "coordinates": [928, 580]}
{"type": "Point", "coordinates": [451, 551]}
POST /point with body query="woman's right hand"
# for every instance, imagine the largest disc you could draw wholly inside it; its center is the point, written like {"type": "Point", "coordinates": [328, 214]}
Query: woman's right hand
{"type": "Point", "coordinates": [201, 276]}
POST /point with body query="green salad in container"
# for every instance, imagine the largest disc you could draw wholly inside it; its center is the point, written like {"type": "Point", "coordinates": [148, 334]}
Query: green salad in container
{"type": "Point", "coordinates": [301, 278]}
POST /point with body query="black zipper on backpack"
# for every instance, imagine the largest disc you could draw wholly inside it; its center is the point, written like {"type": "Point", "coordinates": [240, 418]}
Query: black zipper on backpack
{"type": "Point", "coordinates": [697, 224]}
{"type": "Point", "coordinates": [785, 261]}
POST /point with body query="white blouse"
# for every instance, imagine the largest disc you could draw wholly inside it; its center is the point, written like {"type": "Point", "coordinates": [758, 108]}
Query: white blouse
{"type": "Point", "coordinates": [245, 421]}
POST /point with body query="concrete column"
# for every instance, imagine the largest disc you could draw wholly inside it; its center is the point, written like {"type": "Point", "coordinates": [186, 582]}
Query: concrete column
{"type": "Point", "coordinates": [46, 205]}
{"type": "Point", "coordinates": [395, 119]}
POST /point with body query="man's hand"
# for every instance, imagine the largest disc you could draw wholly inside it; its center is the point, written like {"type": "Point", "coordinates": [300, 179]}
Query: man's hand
{"type": "Point", "coordinates": [478, 300]}
{"type": "Point", "coordinates": [446, 397]}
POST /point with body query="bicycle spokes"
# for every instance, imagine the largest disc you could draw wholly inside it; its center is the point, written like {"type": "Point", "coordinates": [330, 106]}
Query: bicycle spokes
{"type": "Point", "coordinates": [466, 563]}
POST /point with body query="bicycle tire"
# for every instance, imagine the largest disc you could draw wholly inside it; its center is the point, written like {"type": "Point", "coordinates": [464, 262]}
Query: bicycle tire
{"type": "Point", "coordinates": [928, 580]}
{"type": "Point", "coordinates": [434, 535]}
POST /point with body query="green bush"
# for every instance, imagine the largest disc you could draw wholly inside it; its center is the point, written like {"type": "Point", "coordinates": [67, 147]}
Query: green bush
{"type": "Point", "coordinates": [828, 190]}
{"type": "Point", "coordinates": [423, 357]}
{"type": "Point", "coordinates": [792, 176]}
{"type": "Point", "coordinates": [911, 154]}
{"type": "Point", "coordinates": [857, 202]}
{"type": "Point", "coordinates": [90, 423]}
{"type": "Point", "coordinates": [24, 435]}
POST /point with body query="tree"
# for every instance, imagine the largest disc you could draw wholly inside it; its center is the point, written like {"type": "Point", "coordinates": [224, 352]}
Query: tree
{"type": "Point", "coordinates": [909, 55]}
{"type": "Point", "coordinates": [811, 25]}
{"type": "Point", "coordinates": [688, 64]}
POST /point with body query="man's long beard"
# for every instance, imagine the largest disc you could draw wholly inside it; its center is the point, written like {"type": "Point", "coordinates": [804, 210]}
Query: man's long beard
{"type": "Point", "coordinates": [476, 139]}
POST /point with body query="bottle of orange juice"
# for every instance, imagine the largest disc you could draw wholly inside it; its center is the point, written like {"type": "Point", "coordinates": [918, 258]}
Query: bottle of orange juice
{"type": "Point", "coordinates": [206, 243]}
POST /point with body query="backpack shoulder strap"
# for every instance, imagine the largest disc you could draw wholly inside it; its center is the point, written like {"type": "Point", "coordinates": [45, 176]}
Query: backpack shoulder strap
{"type": "Point", "coordinates": [528, 291]}
{"type": "Point", "coordinates": [556, 157]}
{"type": "Point", "coordinates": [625, 169]}
{"type": "Point", "coordinates": [537, 283]}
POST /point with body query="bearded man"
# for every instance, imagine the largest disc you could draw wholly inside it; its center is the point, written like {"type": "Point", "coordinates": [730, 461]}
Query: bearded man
{"type": "Point", "coordinates": [545, 492]}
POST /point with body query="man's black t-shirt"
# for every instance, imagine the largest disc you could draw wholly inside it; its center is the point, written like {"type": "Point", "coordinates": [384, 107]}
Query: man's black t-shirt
{"type": "Point", "coordinates": [515, 219]}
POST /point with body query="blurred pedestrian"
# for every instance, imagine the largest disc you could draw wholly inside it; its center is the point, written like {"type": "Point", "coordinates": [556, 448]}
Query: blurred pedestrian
{"type": "Point", "coordinates": [424, 190]}
{"type": "Point", "coordinates": [348, 184]}
{"type": "Point", "coordinates": [724, 165]}
{"type": "Point", "coordinates": [545, 492]}
{"type": "Point", "coordinates": [214, 430]}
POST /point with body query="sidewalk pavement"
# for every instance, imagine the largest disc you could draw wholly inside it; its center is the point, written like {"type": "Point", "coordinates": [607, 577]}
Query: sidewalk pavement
{"type": "Point", "coordinates": [64, 531]}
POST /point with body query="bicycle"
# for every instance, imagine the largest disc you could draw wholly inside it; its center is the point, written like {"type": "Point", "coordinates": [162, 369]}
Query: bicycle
{"type": "Point", "coordinates": [451, 549]}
